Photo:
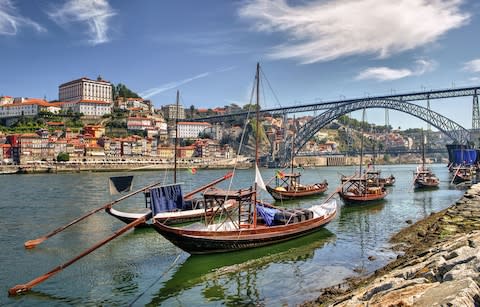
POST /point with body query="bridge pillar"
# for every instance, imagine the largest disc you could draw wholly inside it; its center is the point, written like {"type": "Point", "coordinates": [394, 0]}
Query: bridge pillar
{"type": "Point", "coordinates": [475, 134]}
{"type": "Point", "coordinates": [476, 113]}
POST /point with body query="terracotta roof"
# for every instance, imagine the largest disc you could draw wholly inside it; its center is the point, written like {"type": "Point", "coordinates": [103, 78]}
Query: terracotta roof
{"type": "Point", "coordinates": [55, 123]}
{"type": "Point", "coordinates": [194, 123]}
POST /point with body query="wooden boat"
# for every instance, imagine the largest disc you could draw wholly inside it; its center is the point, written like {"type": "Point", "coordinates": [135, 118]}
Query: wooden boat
{"type": "Point", "coordinates": [374, 178]}
{"type": "Point", "coordinates": [462, 173]}
{"type": "Point", "coordinates": [252, 224]}
{"type": "Point", "coordinates": [362, 188]}
{"type": "Point", "coordinates": [232, 235]}
{"type": "Point", "coordinates": [373, 175]}
{"type": "Point", "coordinates": [424, 178]}
{"type": "Point", "coordinates": [357, 190]}
{"type": "Point", "coordinates": [288, 186]}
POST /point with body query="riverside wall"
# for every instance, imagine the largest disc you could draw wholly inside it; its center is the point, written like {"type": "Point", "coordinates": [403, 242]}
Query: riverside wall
{"type": "Point", "coordinates": [59, 167]}
{"type": "Point", "coordinates": [438, 265]}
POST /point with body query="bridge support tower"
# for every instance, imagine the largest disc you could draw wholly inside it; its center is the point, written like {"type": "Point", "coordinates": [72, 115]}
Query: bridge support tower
{"type": "Point", "coordinates": [475, 134]}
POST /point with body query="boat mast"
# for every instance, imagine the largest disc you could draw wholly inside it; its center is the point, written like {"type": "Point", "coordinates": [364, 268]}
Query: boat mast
{"type": "Point", "coordinates": [292, 150]}
{"type": "Point", "coordinates": [361, 143]}
{"type": "Point", "coordinates": [176, 142]}
{"type": "Point", "coordinates": [423, 151]}
{"type": "Point", "coordinates": [257, 111]}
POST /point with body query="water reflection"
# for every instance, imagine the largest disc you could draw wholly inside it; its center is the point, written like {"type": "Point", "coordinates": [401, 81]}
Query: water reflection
{"type": "Point", "coordinates": [232, 277]}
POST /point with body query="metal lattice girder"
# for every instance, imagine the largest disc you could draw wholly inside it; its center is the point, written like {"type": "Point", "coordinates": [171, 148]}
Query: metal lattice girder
{"type": "Point", "coordinates": [415, 96]}
{"type": "Point", "coordinates": [453, 130]}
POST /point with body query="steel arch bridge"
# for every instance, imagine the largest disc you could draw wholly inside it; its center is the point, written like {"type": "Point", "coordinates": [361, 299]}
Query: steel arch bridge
{"type": "Point", "coordinates": [453, 130]}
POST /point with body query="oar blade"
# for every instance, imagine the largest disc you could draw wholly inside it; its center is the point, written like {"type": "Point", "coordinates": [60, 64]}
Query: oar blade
{"type": "Point", "coordinates": [33, 243]}
{"type": "Point", "coordinates": [18, 289]}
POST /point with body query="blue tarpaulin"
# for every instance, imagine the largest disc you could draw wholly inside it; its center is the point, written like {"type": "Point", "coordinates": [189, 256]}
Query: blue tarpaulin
{"type": "Point", "coordinates": [167, 198]}
{"type": "Point", "coordinates": [267, 214]}
{"type": "Point", "coordinates": [464, 156]}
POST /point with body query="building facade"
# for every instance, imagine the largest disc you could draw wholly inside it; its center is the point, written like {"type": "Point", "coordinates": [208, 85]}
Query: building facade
{"type": "Point", "coordinates": [170, 111]}
{"type": "Point", "coordinates": [191, 130]}
{"type": "Point", "coordinates": [86, 89]}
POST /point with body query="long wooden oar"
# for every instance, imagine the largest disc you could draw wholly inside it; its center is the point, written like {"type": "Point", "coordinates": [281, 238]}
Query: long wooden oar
{"type": "Point", "coordinates": [33, 243]}
{"type": "Point", "coordinates": [18, 289]}
{"type": "Point", "coordinates": [200, 189]}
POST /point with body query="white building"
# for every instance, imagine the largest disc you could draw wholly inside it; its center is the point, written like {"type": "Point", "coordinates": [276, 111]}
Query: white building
{"type": "Point", "coordinates": [86, 89]}
{"type": "Point", "coordinates": [139, 123]}
{"type": "Point", "coordinates": [28, 107]}
{"type": "Point", "coordinates": [170, 111]}
{"type": "Point", "coordinates": [190, 130]}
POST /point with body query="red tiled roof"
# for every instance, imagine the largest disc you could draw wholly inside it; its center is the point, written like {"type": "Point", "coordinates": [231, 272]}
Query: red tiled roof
{"type": "Point", "coordinates": [194, 123]}
{"type": "Point", "coordinates": [55, 123]}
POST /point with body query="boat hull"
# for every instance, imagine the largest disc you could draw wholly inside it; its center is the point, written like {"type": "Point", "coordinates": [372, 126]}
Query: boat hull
{"type": "Point", "coordinates": [288, 195]}
{"type": "Point", "coordinates": [208, 242]}
{"type": "Point", "coordinates": [425, 185]}
{"type": "Point", "coordinates": [361, 199]}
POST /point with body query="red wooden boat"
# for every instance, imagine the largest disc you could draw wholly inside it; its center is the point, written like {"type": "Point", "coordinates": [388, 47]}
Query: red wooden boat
{"type": "Point", "coordinates": [249, 227]}
{"type": "Point", "coordinates": [357, 190]}
{"type": "Point", "coordinates": [424, 178]}
{"type": "Point", "coordinates": [253, 224]}
{"type": "Point", "coordinates": [362, 188]}
{"type": "Point", "coordinates": [288, 186]}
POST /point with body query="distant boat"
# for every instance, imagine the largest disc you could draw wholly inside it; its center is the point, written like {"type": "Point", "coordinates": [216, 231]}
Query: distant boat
{"type": "Point", "coordinates": [423, 177]}
{"type": "Point", "coordinates": [374, 174]}
{"type": "Point", "coordinates": [359, 188]}
{"type": "Point", "coordinates": [462, 173]}
{"type": "Point", "coordinates": [288, 187]}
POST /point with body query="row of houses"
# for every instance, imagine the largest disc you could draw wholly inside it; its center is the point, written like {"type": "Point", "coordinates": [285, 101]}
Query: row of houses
{"type": "Point", "coordinates": [92, 146]}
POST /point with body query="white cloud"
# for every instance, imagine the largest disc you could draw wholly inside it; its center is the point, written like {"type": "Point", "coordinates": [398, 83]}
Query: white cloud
{"type": "Point", "coordinates": [323, 30]}
{"type": "Point", "coordinates": [387, 74]}
{"type": "Point", "coordinates": [168, 86]}
{"type": "Point", "coordinates": [472, 66]}
{"type": "Point", "coordinates": [383, 73]}
{"type": "Point", "coordinates": [10, 21]}
{"type": "Point", "coordinates": [95, 13]}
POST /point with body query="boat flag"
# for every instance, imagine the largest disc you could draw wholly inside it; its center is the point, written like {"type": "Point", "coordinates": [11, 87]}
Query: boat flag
{"type": "Point", "coordinates": [258, 179]}
{"type": "Point", "coordinates": [279, 174]}
{"type": "Point", "coordinates": [120, 184]}
{"type": "Point", "coordinates": [192, 170]}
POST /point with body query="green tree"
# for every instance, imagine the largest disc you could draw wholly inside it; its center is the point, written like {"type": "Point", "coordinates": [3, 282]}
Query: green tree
{"type": "Point", "coordinates": [120, 90]}
{"type": "Point", "coordinates": [63, 156]}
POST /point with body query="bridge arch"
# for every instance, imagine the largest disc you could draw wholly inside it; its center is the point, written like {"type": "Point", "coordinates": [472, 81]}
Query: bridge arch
{"type": "Point", "coordinates": [453, 130]}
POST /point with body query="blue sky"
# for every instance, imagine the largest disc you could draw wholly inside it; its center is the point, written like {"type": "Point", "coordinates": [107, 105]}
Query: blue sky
{"type": "Point", "coordinates": [309, 50]}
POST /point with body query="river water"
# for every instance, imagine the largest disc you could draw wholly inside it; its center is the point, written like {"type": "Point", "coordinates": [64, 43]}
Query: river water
{"type": "Point", "coordinates": [142, 268]}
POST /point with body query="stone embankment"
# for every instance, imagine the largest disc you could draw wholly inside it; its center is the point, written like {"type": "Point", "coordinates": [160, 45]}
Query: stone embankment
{"type": "Point", "coordinates": [439, 264]}
{"type": "Point", "coordinates": [59, 167]}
